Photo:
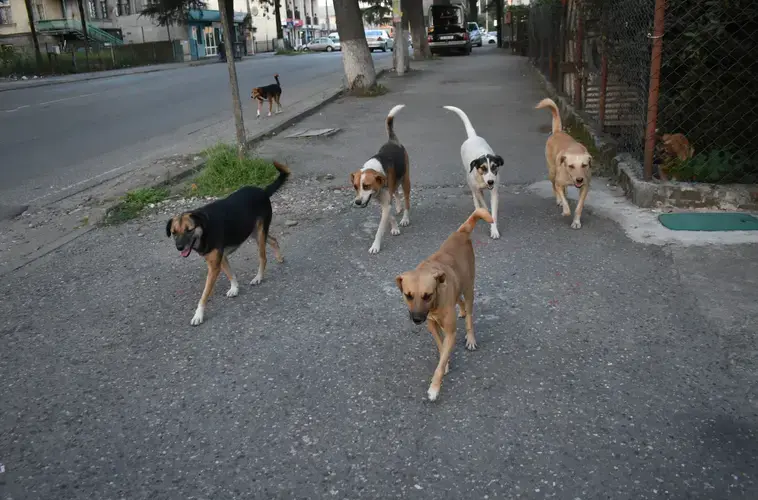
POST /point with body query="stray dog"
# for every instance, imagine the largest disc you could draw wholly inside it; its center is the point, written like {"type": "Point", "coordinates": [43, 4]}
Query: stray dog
{"type": "Point", "coordinates": [674, 146]}
{"type": "Point", "coordinates": [481, 165]}
{"type": "Point", "coordinates": [272, 93]}
{"type": "Point", "coordinates": [568, 162]}
{"type": "Point", "coordinates": [432, 290]}
{"type": "Point", "coordinates": [380, 176]}
{"type": "Point", "coordinates": [217, 229]}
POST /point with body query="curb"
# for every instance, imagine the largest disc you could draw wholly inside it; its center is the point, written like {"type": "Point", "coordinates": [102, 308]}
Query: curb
{"type": "Point", "coordinates": [330, 96]}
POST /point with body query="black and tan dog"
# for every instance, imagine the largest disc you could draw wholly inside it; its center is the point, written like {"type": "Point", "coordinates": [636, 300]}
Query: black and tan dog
{"type": "Point", "coordinates": [272, 93]}
{"type": "Point", "coordinates": [216, 230]}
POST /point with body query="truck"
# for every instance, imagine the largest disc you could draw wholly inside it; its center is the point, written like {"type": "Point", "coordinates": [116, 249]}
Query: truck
{"type": "Point", "coordinates": [447, 29]}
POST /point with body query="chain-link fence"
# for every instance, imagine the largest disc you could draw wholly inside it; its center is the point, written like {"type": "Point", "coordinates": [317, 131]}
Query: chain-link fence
{"type": "Point", "coordinates": [701, 103]}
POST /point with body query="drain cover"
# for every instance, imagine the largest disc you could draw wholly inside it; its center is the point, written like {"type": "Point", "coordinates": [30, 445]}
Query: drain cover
{"type": "Point", "coordinates": [311, 132]}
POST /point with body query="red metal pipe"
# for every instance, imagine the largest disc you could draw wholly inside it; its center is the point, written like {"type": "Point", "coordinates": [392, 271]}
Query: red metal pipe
{"type": "Point", "coordinates": [654, 89]}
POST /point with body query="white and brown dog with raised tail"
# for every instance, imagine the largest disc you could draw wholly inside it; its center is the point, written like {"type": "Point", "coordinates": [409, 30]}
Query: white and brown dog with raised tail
{"type": "Point", "coordinates": [432, 290]}
{"type": "Point", "coordinates": [380, 177]}
{"type": "Point", "coordinates": [568, 163]}
{"type": "Point", "coordinates": [481, 165]}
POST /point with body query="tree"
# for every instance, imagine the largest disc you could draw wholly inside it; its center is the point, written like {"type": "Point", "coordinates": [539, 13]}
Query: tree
{"type": "Point", "coordinates": [356, 58]}
{"type": "Point", "coordinates": [413, 10]}
{"type": "Point", "coordinates": [378, 12]}
{"type": "Point", "coordinates": [166, 12]}
{"type": "Point", "coordinates": [33, 28]}
{"type": "Point", "coordinates": [275, 4]}
{"type": "Point", "coordinates": [473, 13]}
{"type": "Point", "coordinates": [84, 32]}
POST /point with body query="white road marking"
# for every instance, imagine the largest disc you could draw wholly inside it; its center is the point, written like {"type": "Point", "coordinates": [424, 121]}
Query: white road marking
{"type": "Point", "coordinates": [51, 102]}
{"type": "Point", "coordinates": [16, 109]}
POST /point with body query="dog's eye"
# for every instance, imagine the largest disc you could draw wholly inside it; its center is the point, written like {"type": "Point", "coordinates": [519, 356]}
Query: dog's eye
{"type": "Point", "coordinates": [366, 187]}
{"type": "Point", "coordinates": [571, 167]}
{"type": "Point", "coordinates": [426, 297]}
{"type": "Point", "coordinates": [409, 296]}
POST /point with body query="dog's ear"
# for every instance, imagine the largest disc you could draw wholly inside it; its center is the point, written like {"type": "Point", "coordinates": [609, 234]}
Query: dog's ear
{"type": "Point", "coordinates": [352, 179]}
{"type": "Point", "coordinates": [380, 179]}
{"type": "Point", "coordinates": [562, 159]}
{"type": "Point", "coordinates": [399, 281]}
{"type": "Point", "coordinates": [200, 219]}
{"type": "Point", "coordinates": [473, 165]}
{"type": "Point", "coordinates": [439, 276]}
{"type": "Point", "coordinates": [168, 227]}
{"type": "Point", "coordinates": [589, 162]}
{"type": "Point", "coordinates": [498, 160]}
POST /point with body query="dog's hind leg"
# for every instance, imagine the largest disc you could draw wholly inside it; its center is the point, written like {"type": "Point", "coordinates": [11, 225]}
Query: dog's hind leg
{"type": "Point", "coordinates": [558, 201]}
{"type": "Point", "coordinates": [273, 243]}
{"type": "Point", "coordinates": [261, 240]}
{"type": "Point", "coordinates": [234, 288]}
{"type": "Point", "coordinates": [448, 343]}
{"type": "Point", "coordinates": [434, 329]}
{"type": "Point", "coordinates": [213, 259]}
{"type": "Point", "coordinates": [406, 220]}
{"type": "Point", "coordinates": [468, 299]}
{"type": "Point", "coordinates": [462, 306]}
{"type": "Point", "coordinates": [278, 103]}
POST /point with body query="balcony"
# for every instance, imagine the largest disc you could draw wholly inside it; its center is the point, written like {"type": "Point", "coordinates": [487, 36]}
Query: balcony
{"type": "Point", "coordinates": [6, 19]}
{"type": "Point", "coordinates": [74, 27]}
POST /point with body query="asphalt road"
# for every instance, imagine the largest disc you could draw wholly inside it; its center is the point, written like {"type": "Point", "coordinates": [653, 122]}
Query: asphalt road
{"type": "Point", "coordinates": [57, 136]}
{"type": "Point", "coordinates": [606, 368]}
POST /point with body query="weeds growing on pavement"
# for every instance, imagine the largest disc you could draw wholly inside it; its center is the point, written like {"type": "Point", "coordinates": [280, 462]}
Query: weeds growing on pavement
{"type": "Point", "coordinates": [224, 172]}
{"type": "Point", "coordinates": [134, 203]}
{"type": "Point", "coordinates": [375, 91]}
{"type": "Point", "coordinates": [287, 52]}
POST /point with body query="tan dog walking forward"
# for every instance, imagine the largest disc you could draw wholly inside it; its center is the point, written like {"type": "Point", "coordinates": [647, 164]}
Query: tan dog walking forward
{"type": "Point", "coordinates": [432, 290]}
{"type": "Point", "coordinates": [568, 163]}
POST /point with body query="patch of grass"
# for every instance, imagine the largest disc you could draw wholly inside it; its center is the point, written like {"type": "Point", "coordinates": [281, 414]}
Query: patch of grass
{"type": "Point", "coordinates": [374, 91]}
{"type": "Point", "coordinates": [224, 172]}
{"type": "Point", "coordinates": [287, 52]}
{"type": "Point", "coordinates": [580, 134]}
{"type": "Point", "coordinates": [134, 203]}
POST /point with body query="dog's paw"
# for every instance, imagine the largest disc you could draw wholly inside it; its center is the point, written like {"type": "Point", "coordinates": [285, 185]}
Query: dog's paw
{"type": "Point", "coordinates": [471, 344]}
{"type": "Point", "coordinates": [405, 221]}
{"type": "Point", "coordinates": [433, 392]}
{"type": "Point", "coordinates": [374, 249]}
{"type": "Point", "coordinates": [577, 224]}
{"type": "Point", "coordinates": [197, 318]}
{"type": "Point", "coordinates": [566, 212]}
{"type": "Point", "coordinates": [257, 280]}
{"type": "Point", "coordinates": [269, 113]}
{"type": "Point", "coordinates": [462, 313]}
{"type": "Point", "coordinates": [558, 202]}
{"type": "Point", "coordinates": [447, 368]}
{"type": "Point", "coordinates": [395, 231]}
{"type": "Point", "coordinates": [494, 233]}
{"type": "Point", "coordinates": [233, 291]}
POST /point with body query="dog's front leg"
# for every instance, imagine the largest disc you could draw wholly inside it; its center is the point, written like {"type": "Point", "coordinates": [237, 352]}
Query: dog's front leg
{"type": "Point", "coordinates": [494, 233]}
{"type": "Point", "coordinates": [386, 215]}
{"type": "Point", "coordinates": [260, 104]}
{"type": "Point", "coordinates": [213, 259]}
{"type": "Point", "coordinates": [583, 192]}
{"type": "Point", "coordinates": [234, 288]}
{"type": "Point", "coordinates": [561, 192]}
{"type": "Point", "coordinates": [434, 329]}
{"type": "Point", "coordinates": [447, 348]}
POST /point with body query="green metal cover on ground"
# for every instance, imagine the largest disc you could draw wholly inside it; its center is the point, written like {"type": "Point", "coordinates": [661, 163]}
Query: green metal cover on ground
{"type": "Point", "coordinates": [709, 222]}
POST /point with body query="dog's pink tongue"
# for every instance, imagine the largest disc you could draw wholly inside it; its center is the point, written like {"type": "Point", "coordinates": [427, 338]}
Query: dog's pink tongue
{"type": "Point", "coordinates": [186, 252]}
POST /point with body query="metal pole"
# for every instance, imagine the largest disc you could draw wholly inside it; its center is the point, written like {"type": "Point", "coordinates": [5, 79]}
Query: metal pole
{"type": "Point", "coordinates": [578, 59]}
{"type": "Point", "coordinates": [654, 89]}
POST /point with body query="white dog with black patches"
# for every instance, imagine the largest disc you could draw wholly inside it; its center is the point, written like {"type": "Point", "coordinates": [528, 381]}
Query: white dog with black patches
{"type": "Point", "coordinates": [380, 176]}
{"type": "Point", "coordinates": [481, 165]}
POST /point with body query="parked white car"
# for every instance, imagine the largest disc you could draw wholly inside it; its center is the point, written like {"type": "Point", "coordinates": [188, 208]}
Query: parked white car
{"type": "Point", "coordinates": [323, 44]}
{"type": "Point", "coordinates": [379, 40]}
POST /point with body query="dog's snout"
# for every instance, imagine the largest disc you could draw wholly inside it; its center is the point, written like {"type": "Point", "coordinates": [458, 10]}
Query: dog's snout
{"type": "Point", "coordinates": [490, 182]}
{"type": "Point", "coordinates": [418, 318]}
{"type": "Point", "coordinates": [358, 202]}
{"type": "Point", "coordinates": [580, 180]}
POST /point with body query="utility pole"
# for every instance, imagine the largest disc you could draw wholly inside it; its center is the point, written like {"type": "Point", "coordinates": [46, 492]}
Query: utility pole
{"type": "Point", "coordinates": [328, 24]}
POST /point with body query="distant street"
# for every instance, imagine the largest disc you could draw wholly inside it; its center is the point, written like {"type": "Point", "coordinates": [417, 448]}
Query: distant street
{"type": "Point", "coordinates": [57, 137]}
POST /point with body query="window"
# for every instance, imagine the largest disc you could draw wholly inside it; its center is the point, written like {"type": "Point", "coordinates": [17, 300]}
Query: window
{"type": "Point", "coordinates": [5, 13]}
{"type": "Point", "coordinates": [124, 8]}
{"type": "Point", "coordinates": [92, 9]}
{"type": "Point", "coordinates": [38, 11]}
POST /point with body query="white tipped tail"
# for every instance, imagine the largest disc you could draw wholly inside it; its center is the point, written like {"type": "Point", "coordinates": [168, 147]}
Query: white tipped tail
{"type": "Point", "coordinates": [549, 103]}
{"type": "Point", "coordinates": [391, 119]}
{"type": "Point", "coordinates": [466, 122]}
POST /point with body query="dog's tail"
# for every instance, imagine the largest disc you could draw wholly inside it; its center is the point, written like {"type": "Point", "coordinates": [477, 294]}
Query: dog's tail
{"type": "Point", "coordinates": [276, 77]}
{"type": "Point", "coordinates": [466, 122]}
{"type": "Point", "coordinates": [549, 103]}
{"type": "Point", "coordinates": [391, 121]}
{"type": "Point", "coordinates": [479, 213]}
{"type": "Point", "coordinates": [284, 172]}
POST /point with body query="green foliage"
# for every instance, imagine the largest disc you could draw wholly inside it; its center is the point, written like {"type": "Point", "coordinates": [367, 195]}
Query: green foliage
{"type": "Point", "coordinates": [716, 166]}
{"type": "Point", "coordinates": [224, 172]}
{"type": "Point", "coordinates": [378, 12]}
{"type": "Point", "coordinates": [171, 12]}
{"type": "Point", "coordinates": [134, 203]}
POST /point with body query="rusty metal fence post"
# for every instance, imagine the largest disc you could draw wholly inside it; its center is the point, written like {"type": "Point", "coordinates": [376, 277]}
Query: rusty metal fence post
{"type": "Point", "coordinates": [578, 55]}
{"type": "Point", "coordinates": [654, 89]}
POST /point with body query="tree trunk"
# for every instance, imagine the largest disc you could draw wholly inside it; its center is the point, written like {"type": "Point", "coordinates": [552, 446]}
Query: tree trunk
{"type": "Point", "coordinates": [33, 28]}
{"type": "Point", "coordinates": [400, 52]}
{"type": "Point", "coordinates": [227, 20]}
{"type": "Point", "coordinates": [415, 15]}
{"type": "Point", "coordinates": [473, 14]}
{"type": "Point", "coordinates": [84, 31]}
{"type": "Point", "coordinates": [278, 16]}
{"type": "Point", "coordinates": [356, 58]}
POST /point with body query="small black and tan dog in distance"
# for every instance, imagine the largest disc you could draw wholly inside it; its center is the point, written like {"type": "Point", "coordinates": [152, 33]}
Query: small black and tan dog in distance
{"type": "Point", "coordinates": [217, 229]}
{"type": "Point", "coordinates": [271, 93]}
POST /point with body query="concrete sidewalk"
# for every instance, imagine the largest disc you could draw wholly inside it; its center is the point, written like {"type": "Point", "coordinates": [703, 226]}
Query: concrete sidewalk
{"type": "Point", "coordinates": [606, 368]}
